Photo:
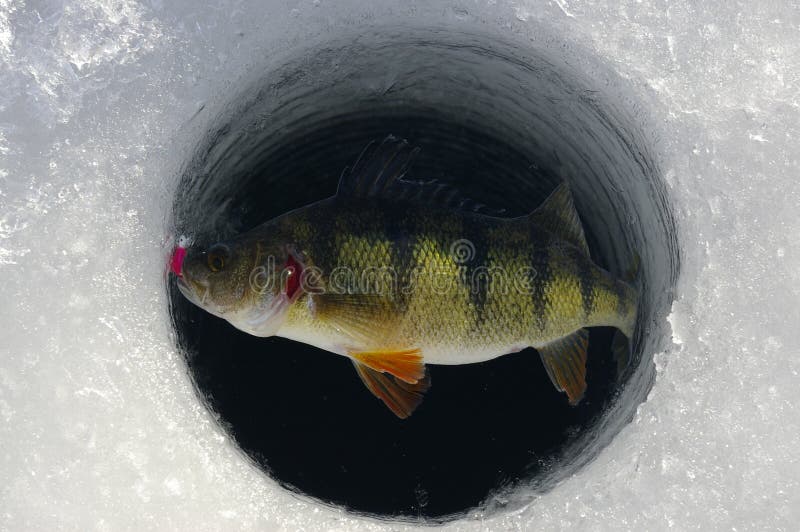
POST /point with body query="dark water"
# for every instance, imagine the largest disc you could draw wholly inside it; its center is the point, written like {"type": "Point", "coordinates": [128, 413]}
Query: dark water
{"type": "Point", "coordinates": [504, 127]}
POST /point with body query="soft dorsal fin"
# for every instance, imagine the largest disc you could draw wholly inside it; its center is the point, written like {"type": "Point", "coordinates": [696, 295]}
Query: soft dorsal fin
{"type": "Point", "coordinates": [379, 172]}
{"type": "Point", "coordinates": [436, 194]}
{"type": "Point", "coordinates": [558, 215]}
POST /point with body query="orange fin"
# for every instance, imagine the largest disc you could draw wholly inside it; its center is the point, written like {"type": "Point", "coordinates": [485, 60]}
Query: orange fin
{"type": "Point", "coordinates": [565, 362]}
{"type": "Point", "coordinates": [401, 398]}
{"type": "Point", "coordinates": [405, 364]}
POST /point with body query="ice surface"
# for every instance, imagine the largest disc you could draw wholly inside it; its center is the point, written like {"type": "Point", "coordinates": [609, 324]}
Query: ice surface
{"type": "Point", "coordinates": [101, 102]}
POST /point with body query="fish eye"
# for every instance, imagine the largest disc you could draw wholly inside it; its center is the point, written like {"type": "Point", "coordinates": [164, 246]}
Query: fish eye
{"type": "Point", "coordinates": [217, 256]}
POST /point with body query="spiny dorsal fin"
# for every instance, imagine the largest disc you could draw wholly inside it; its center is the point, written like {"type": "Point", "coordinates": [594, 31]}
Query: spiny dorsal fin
{"type": "Point", "coordinates": [377, 168]}
{"type": "Point", "coordinates": [379, 172]}
{"type": "Point", "coordinates": [401, 398]}
{"type": "Point", "coordinates": [558, 215]}
{"type": "Point", "coordinates": [565, 362]}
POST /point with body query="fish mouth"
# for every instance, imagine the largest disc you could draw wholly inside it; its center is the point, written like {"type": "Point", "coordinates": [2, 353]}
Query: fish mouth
{"type": "Point", "coordinates": [191, 291]}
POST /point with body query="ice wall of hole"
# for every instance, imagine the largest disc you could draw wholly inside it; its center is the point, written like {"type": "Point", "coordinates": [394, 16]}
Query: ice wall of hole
{"type": "Point", "coordinates": [502, 121]}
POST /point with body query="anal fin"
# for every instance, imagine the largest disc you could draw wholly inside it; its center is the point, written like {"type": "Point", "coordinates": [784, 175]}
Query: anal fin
{"type": "Point", "coordinates": [565, 362]}
{"type": "Point", "coordinates": [402, 398]}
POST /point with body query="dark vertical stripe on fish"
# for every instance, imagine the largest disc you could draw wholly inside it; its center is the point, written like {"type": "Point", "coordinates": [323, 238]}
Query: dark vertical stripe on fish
{"type": "Point", "coordinates": [540, 261]}
{"type": "Point", "coordinates": [320, 245]}
{"type": "Point", "coordinates": [474, 271]}
{"type": "Point", "coordinates": [586, 278]}
{"type": "Point", "coordinates": [404, 239]}
{"type": "Point", "coordinates": [622, 302]}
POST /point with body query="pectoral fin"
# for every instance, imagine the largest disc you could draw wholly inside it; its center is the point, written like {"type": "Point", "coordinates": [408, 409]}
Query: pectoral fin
{"type": "Point", "coordinates": [406, 365]}
{"type": "Point", "coordinates": [565, 362]}
{"type": "Point", "coordinates": [357, 316]}
{"type": "Point", "coordinates": [401, 398]}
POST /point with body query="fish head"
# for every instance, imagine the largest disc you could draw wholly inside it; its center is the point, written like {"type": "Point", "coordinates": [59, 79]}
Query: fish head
{"type": "Point", "coordinates": [244, 281]}
{"type": "Point", "coordinates": [214, 278]}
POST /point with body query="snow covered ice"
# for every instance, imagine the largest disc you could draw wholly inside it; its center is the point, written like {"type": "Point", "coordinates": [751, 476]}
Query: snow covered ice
{"type": "Point", "coordinates": [102, 103]}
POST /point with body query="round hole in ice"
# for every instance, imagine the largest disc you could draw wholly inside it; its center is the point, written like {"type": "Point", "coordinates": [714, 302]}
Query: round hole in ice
{"type": "Point", "coordinates": [504, 123]}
